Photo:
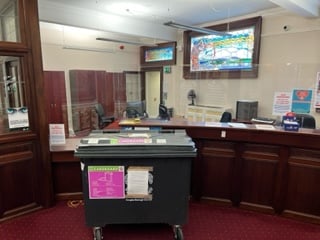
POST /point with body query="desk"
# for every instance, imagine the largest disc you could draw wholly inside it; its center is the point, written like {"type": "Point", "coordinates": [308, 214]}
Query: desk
{"type": "Point", "coordinates": [271, 171]}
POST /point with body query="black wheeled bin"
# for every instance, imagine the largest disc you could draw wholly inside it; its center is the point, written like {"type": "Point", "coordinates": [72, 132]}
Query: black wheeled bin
{"type": "Point", "coordinates": [133, 177]}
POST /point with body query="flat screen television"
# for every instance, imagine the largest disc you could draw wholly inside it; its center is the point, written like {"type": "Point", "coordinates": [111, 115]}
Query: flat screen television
{"type": "Point", "coordinates": [234, 55]}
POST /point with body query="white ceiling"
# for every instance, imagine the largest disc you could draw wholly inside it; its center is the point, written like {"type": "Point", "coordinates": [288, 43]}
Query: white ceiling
{"type": "Point", "coordinates": [145, 18]}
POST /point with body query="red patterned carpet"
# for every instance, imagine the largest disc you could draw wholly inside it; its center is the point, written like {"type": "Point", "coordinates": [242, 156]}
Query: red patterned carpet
{"type": "Point", "coordinates": [206, 222]}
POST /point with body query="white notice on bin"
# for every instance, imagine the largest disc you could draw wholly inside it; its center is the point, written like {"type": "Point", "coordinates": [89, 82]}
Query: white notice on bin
{"type": "Point", "coordinates": [138, 181]}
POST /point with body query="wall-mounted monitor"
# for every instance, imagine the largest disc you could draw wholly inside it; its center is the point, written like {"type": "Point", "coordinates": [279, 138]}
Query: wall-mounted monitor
{"type": "Point", "coordinates": [161, 55]}
{"type": "Point", "coordinates": [233, 55]}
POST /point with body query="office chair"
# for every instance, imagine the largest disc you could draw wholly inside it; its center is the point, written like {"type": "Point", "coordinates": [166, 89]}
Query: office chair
{"type": "Point", "coordinates": [102, 118]}
{"type": "Point", "coordinates": [136, 109]}
{"type": "Point", "coordinates": [306, 120]}
{"type": "Point", "coordinates": [132, 113]}
{"type": "Point", "coordinates": [226, 117]}
{"type": "Point", "coordinates": [163, 112]}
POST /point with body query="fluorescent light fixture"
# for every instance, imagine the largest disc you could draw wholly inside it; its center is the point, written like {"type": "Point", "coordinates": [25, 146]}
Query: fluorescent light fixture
{"type": "Point", "coordinates": [126, 42]}
{"type": "Point", "coordinates": [89, 49]}
{"type": "Point", "coordinates": [196, 29]}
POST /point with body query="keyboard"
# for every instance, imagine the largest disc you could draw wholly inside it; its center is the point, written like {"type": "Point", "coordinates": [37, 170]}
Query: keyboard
{"type": "Point", "coordinates": [263, 120]}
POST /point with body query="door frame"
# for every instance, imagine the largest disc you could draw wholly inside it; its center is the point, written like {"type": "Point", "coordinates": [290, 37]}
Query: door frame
{"type": "Point", "coordinates": [154, 69]}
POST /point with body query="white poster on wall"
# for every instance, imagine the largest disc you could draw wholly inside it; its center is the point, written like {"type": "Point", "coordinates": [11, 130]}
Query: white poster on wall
{"type": "Point", "coordinates": [281, 103]}
{"type": "Point", "coordinates": [317, 92]}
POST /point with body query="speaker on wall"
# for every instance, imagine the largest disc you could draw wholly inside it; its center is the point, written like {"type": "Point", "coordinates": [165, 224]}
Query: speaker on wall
{"type": "Point", "coordinates": [246, 110]}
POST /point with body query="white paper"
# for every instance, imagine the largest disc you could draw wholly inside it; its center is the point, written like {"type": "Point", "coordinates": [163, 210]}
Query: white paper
{"type": "Point", "coordinates": [138, 181]}
{"type": "Point", "coordinates": [264, 127]}
{"type": "Point", "coordinates": [57, 134]}
{"type": "Point", "coordinates": [237, 125]}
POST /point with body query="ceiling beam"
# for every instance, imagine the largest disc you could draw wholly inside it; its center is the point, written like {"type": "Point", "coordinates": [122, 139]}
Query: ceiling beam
{"type": "Point", "coordinates": [305, 8]}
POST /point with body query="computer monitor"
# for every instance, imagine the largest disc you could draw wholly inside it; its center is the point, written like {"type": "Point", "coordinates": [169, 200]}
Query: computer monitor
{"type": "Point", "coordinates": [163, 112]}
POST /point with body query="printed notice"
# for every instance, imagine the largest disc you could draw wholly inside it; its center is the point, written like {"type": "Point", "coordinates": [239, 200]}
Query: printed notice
{"type": "Point", "coordinates": [281, 103]}
{"type": "Point", "coordinates": [57, 134]}
{"type": "Point", "coordinates": [317, 94]}
{"type": "Point", "coordinates": [301, 100]}
{"type": "Point", "coordinates": [138, 180]}
{"type": "Point", "coordinates": [106, 182]}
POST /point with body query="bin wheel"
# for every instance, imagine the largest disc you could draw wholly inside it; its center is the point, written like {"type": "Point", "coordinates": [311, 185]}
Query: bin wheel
{"type": "Point", "coordinates": [178, 234]}
{"type": "Point", "coordinates": [97, 233]}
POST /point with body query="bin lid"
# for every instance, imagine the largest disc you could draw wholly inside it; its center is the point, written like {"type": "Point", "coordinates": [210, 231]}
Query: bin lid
{"type": "Point", "coordinates": [133, 143]}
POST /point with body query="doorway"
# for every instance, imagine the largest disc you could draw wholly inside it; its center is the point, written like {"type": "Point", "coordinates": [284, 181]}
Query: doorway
{"type": "Point", "coordinates": [153, 90]}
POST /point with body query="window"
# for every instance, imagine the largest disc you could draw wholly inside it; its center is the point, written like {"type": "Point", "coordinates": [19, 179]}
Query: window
{"type": "Point", "coordinates": [9, 21]}
{"type": "Point", "coordinates": [13, 110]}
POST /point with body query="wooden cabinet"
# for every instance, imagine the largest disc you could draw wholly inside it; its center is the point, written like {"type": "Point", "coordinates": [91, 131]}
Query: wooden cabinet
{"type": "Point", "coordinates": [66, 171]}
{"type": "Point", "coordinates": [84, 117]}
{"type": "Point", "coordinates": [54, 85]}
{"type": "Point", "coordinates": [270, 171]}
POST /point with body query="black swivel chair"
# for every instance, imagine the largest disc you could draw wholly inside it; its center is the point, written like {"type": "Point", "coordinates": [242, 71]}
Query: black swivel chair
{"type": "Point", "coordinates": [306, 120]}
{"type": "Point", "coordinates": [103, 119]}
{"type": "Point", "coordinates": [226, 117]}
{"type": "Point", "coordinates": [132, 113]}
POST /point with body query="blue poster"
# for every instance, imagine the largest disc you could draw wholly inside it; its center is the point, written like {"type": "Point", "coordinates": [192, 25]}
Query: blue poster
{"type": "Point", "coordinates": [301, 101]}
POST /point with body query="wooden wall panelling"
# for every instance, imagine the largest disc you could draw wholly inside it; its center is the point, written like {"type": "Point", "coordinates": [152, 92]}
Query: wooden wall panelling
{"type": "Point", "coordinates": [18, 179]}
{"type": "Point", "coordinates": [54, 85]}
{"type": "Point", "coordinates": [303, 195]}
{"type": "Point", "coordinates": [217, 166]}
{"type": "Point", "coordinates": [119, 92]}
{"type": "Point", "coordinates": [67, 178]}
{"type": "Point", "coordinates": [105, 92]}
{"type": "Point", "coordinates": [83, 86]}
{"type": "Point", "coordinates": [259, 171]}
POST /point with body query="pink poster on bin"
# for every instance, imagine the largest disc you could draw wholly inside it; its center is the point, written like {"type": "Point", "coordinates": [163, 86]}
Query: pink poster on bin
{"type": "Point", "coordinates": [106, 182]}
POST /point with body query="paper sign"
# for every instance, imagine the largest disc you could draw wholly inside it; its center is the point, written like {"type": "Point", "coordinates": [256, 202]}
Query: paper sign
{"type": "Point", "coordinates": [57, 134]}
{"type": "Point", "coordinates": [106, 182]}
{"type": "Point", "coordinates": [18, 117]}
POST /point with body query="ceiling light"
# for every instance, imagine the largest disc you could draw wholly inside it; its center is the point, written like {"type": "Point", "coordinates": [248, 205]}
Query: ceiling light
{"type": "Point", "coordinates": [126, 42]}
{"type": "Point", "coordinates": [196, 29]}
{"type": "Point", "coordinates": [89, 49]}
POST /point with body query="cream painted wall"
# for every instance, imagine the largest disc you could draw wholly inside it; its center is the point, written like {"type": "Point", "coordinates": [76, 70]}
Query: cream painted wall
{"type": "Point", "coordinates": [288, 59]}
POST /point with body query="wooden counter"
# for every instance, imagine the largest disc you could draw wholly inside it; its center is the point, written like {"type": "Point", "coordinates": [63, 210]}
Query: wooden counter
{"type": "Point", "coordinates": [66, 173]}
{"type": "Point", "coordinates": [273, 171]}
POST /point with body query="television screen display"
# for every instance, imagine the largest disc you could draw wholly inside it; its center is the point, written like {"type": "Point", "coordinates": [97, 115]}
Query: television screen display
{"type": "Point", "coordinates": [234, 54]}
{"type": "Point", "coordinates": [212, 52]}
{"type": "Point", "coordinates": [159, 54]}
